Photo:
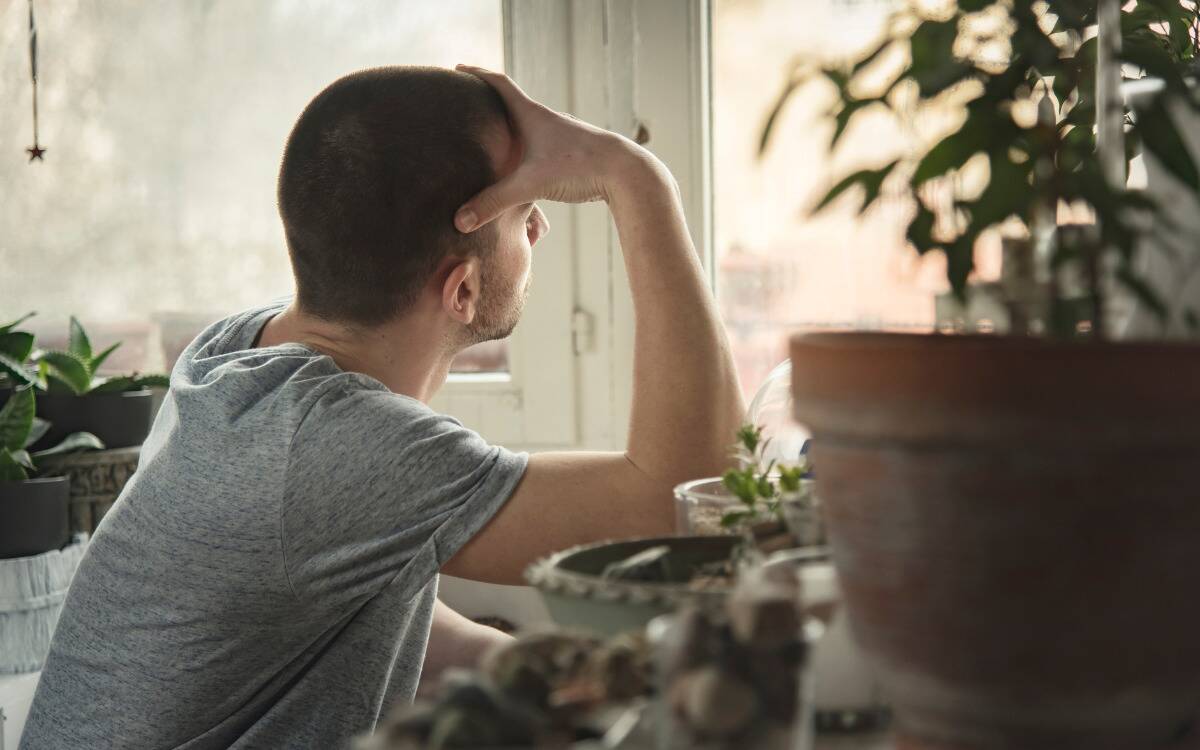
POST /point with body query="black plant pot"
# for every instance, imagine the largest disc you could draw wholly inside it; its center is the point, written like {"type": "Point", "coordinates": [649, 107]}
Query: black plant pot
{"type": "Point", "coordinates": [120, 420]}
{"type": "Point", "coordinates": [33, 516]}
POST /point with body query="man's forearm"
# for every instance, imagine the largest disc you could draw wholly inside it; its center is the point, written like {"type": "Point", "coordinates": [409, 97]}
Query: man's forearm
{"type": "Point", "coordinates": [687, 403]}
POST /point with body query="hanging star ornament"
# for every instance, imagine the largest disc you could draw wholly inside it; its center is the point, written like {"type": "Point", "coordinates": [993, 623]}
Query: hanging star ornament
{"type": "Point", "coordinates": [35, 151]}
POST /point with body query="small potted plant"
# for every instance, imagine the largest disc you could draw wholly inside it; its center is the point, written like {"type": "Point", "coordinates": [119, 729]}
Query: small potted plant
{"type": "Point", "coordinates": [116, 409]}
{"type": "Point", "coordinates": [1007, 513]}
{"type": "Point", "coordinates": [33, 510]}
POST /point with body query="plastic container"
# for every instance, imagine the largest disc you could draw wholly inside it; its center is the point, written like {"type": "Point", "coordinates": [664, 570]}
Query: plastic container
{"type": "Point", "coordinates": [771, 409]}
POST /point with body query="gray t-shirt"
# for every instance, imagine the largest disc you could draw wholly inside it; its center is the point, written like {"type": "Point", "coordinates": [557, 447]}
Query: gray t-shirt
{"type": "Point", "coordinates": [267, 577]}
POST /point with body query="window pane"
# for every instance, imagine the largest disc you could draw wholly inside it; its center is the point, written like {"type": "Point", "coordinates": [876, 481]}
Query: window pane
{"type": "Point", "coordinates": [779, 270]}
{"type": "Point", "coordinates": [154, 211]}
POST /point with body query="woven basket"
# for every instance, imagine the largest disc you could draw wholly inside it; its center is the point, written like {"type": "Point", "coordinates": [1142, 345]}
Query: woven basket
{"type": "Point", "coordinates": [97, 478]}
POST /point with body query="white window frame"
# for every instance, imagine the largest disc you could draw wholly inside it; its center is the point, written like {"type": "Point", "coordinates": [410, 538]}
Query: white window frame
{"type": "Point", "coordinates": [624, 65]}
{"type": "Point", "coordinates": [533, 406]}
{"type": "Point", "coordinates": [618, 64]}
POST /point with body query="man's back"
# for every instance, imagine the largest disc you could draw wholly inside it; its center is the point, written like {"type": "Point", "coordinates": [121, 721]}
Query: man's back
{"type": "Point", "coordinates": [267, 578]}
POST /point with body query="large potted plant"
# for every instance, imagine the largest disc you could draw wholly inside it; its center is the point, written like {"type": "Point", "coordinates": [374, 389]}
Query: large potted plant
{"type": "Point", "coordinates": [1014, 518]}
{"type": "Point", "coordinates": [117, 409]}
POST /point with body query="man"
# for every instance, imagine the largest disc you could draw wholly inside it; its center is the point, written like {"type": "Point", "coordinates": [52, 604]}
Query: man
{"type": "Point", "coordinates": [269, 576]}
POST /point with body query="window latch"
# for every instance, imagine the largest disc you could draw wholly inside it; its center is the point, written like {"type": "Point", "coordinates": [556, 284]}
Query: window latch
{"type": "Point", "coordinates": [583, 331]}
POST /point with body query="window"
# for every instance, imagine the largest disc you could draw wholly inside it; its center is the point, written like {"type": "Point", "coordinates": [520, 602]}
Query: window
{"type": "Point", "coordinates": [165, 123]}
{"type": "Point", "coordinates": [778, 270]}
{"type": "Point", "coordinates": [154, 211]}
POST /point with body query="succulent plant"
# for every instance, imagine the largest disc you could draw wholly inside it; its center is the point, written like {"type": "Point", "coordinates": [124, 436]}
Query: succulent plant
{"type": "Point", "coordinates": [74, 370]}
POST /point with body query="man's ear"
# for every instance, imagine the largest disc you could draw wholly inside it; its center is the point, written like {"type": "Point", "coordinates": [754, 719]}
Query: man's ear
{"type": "Point", "coordinates": [460, 291]}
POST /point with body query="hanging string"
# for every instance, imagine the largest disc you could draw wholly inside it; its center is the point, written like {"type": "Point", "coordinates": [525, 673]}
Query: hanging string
{"type": "Point", "coordinates": [35, 151]}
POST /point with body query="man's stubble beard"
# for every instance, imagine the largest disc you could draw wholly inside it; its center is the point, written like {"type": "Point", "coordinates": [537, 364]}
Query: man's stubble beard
{"type": "Point", "coordinates": [499, 310]}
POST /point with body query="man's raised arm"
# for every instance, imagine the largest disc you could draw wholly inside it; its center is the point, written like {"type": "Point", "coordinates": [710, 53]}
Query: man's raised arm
{"type": "Point", "coordinates": [686, 404]}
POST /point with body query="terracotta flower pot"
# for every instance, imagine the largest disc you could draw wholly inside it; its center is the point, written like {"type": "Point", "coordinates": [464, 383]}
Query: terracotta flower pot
{"type": "Point", "coordinates": [1016, 528]}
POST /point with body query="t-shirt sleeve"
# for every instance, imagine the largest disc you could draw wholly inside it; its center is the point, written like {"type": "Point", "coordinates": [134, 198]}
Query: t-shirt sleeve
{"type": "Point", "coordinates": [382, 489]}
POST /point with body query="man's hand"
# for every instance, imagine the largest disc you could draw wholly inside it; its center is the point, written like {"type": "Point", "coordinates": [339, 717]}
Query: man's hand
{"type": "Point", "coordinates": [563, 159]}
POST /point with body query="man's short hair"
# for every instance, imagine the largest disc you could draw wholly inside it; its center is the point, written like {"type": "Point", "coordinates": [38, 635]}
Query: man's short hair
{"type": "Point", "coordinates": [372, 175]}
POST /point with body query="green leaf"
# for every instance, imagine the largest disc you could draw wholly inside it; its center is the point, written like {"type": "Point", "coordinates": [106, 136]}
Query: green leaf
{"type": "Point", "coordinates": [1133, 146]}
{"type": "Point", "coordinates": [79, 344]}
{"type": "Point", "coordinates": [1078, 148]}
{"type": "Point", "coordinates": [98, 360]}
{"type": "Point", "coordinates": [735, 517]}
{"type": "Point", "coordinates": [16, 345]}
{"type": "Point", "coordinates": [1191, 320]}
{"type": "Point", "coordinates": [934, 82]}
{"type": "Point", "coordinates": [870, 179]}
{"type": "Point", "coordinates": [77, 441]}
{"type": "Point", "coordinates": [736, 482]}
{"type": "Point", "coordinates": [1032, 47]}
{"type": "Point", "coordinates": [790, 477]}
{"type": "Point", "coordinates": [920, 230]}
{"type": "Point", "coordinates": [1064, 83]}
{"type": "Point", "coordinates": [1148, 53]}
{"type": "Point", "coordinates": [1082, 115]}
{"type": "Point", "coordinates": [1178, 19]}
{"type": "Point", "coordinates": [842, 118]}
{"type": "Point", "coordinates": [67, 368]}
{"type": "Point", "coordinates": [16, 371]}
{"type": "Point", "coordinates": [1142, 290]}
{"type": "Point", "coordinates": [1157, 131]}
{"type": "Point", "coordinates": [749, 436]}
{"type": "Point", "coordinates": [40, 427]}
{"type": "Point", "coordinates": [1074, 14]}
{"type": "Point", "coordinates": [934, 66]}
{"type": "Point", "coordinates": [960, 261]}
{"type": "Point", "coordinates": [16, 419]}
{"type": "Point", "coordinates": [11, 469]}
{"type": "Point", "coordinates": [122, 383]}
{"type": "Point", "coordinates": [773, 117]}
{"type": "Point", "coordinates": [872, 56]}
{"type": "Point", "coordinates": [1008, 193]}
{"type": "Point", "coordinates": [9, 326]}
{"type": "Point", "coordinates": [152, 381]}
{"type": "Point", "coordinates": [954, 150]}
{"type": "Point", "coordinates": [22, 457]}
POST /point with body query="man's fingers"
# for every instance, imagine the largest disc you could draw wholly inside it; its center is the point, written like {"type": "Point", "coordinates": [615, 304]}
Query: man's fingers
{"type": "Point", "coordinates": [490, 203]}
{"type": "Point", "coordinates": [509, 91]}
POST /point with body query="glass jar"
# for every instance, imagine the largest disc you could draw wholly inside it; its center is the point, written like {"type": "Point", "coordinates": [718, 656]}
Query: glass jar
{"type": "Point", "coordinates": [701, 503]}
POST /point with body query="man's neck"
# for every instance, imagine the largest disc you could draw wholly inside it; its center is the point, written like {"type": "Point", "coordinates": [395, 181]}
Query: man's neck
{"type": "Point", "coordinates": [405, 355]}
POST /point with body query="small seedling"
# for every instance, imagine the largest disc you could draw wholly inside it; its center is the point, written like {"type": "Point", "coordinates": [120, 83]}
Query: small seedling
{"type": "Point", "coordinates": [760, 489]}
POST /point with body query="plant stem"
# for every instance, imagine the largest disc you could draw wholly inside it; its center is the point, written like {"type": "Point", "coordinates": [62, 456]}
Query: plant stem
{"type": "Point", "coordinates": [1110, 132]}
